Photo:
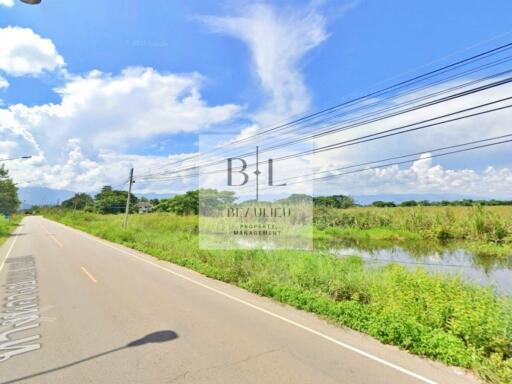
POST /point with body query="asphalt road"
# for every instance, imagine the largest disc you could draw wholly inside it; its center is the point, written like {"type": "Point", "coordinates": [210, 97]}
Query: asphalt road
{"type": "Point", "coordinates": [76, 309]}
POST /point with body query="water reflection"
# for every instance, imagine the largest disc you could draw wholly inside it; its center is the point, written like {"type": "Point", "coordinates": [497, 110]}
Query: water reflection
{"type": "Point", "coordinates": [449, 258]}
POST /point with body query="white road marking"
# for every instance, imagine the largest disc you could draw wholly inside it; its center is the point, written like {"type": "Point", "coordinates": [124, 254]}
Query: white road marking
{"type": "Point", "coordinates": [89, 275]}
{"type": "Point", "coordinates": [21, 308]}
{"type": "Point", "coordinates": [258, 308]}
{"type": "Point", "coordinates": [9, 250]}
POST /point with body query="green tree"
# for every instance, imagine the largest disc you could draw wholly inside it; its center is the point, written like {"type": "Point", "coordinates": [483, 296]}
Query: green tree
{"type": "Point", "coordinates": [9, 201]}
{"type": "Point", "coordinates": [335, 201]}
{"type": "Point", "coordinates": [80, 201]}
{"type": "Point", "coordinates": [212, 200]}
{"type": "Point", "coordinates": [297, 198]}
{"type": "Point", "coordinates": [113, 201]}
{"type": "Point", "coordinates": [189, 202]}
{"type": "Point", "coordinates": [186, 204]}
{"type": "Point", "coordinates": [382, 204]}
{"type": "Point", "coordinates": [408, 203]}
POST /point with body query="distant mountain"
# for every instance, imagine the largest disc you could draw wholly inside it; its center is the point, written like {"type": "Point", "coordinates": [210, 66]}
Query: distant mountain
{"type": "Point", "coordinates": [30, 196]}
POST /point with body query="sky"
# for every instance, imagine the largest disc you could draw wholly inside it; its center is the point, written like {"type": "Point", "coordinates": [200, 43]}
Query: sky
{"type": "Point", "coordinates": [93, 88]}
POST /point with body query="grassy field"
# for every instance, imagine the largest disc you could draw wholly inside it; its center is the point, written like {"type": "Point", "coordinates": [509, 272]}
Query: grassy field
{"type": "Point", "coordinates": [7, 226]}
{"type": "Point", "coordinates": [483, 230]}
{"type": "Point", "coordinates": [431, 315]}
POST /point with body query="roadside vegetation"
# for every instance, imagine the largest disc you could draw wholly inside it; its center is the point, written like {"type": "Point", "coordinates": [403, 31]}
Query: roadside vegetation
{"type": "Point", "coordinates": [9, 201]}
{"type": "Point", "coordinates": [483, 227]}
{"type": "Point", "coordinates": [485, 230]}
{"type": "Point", "coordinates": [429, 314]}
{"type": "Point", "coordinates": [7, 226]}
{"type": "Point", "coordinates": [9, 204]}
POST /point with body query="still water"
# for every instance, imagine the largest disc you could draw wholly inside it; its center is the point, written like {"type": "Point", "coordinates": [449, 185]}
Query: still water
{"type": "Point", "coordinates": [482, 270]}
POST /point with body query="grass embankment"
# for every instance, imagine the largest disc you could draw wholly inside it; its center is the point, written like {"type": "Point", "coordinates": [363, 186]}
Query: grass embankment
{"type": "Point", "coordinates": [483, 230]}
{"type": "Point", "coordinates": [7, 226]}
{"type": "Point", "coordinates": [430, 315]}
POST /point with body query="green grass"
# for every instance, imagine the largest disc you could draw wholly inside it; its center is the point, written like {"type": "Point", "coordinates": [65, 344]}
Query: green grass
{"type": "Point", "coordinates": [7, 226]}
{"type": "Point", "coordinates": [428, 314]}
{"type": "Point", "coordinates": [483, 230]}
{"type": "Point", "coordinates": [373, 234]}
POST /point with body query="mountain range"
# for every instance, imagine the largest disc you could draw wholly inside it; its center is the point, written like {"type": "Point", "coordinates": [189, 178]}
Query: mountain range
{"type": "Point", "coordinates": [30, 196]}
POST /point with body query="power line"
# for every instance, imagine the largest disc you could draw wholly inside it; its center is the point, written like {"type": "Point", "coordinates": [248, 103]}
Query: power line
{"type": "Point", "coordinates": [375, 136]}
{"type": "Point", "coordinates": [410, 161]}
{"type": "Point", "coordinates": [403, 156]}
{"type": "Point", "coordinates": [378, 93]}
{"type": "Point", "coordinates": [335, 129]}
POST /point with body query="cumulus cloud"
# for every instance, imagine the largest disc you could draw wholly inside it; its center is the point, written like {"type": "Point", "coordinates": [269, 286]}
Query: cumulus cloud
{"type": "Point", "coordinates": [74, 142]}
{"type": "Point", "coordinates": [278, 41]}
{"type": "Point", "coordinates": [107, 111]}
{"type": "Point", "coordinates": [3, 83]}
{"type": "Point", "coordinates": [78, 142]}
{"type": "Point", "coordinates": [7, 3]}
{"type": "Point", "coordinates": [471, 173]}
{"type": "Point", "coordinates": [78, 172]}
{"type": "Point", "coordinates": [7, 147]}
{"type": "Point", "coordinates": [24, 52]}
{"type": "Point", "coordinates": [425, 176]}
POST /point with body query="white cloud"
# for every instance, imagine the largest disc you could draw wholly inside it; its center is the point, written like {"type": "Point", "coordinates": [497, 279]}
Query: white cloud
{"type": "Point", "coordinates": [23, 52]}
{"type": "Point", "coordinates": [3, 83]}
{"type": "Point", "coordinates": [7, 3]}
{"type": "Point", "coordinates": [78, 172]}
{"type": "Point", "coordinates": [106, 111]}
{"type": "Point", "coordinates": [471, 173]}
{"type": "Point", "coordinates": [100, 115]}
{"type": "Point", "coordinates": [424, 176]}
{"type": "Point", "coordinates": [7, 147]}
{"type": "Point", "coordinates": [278, 41]}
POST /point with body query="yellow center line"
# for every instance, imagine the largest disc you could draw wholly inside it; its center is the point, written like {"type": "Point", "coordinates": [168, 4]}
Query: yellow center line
{"type": "Point", "coordinates": [88, 274]}
{"type": "Point", "coordinates": [53, 237]}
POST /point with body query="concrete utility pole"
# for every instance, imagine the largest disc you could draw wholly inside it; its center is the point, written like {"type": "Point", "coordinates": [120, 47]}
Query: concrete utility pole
{"type": "Point", "coordinates": [125, 224]}
{"type": "Point", "coordinates": [75, 202]}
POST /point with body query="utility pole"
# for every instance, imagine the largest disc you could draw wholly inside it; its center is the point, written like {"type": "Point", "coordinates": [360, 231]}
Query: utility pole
{"type": "Point", "coordinates": [125, 224]}
{"type": "Point", "coordinates": [74, 205]}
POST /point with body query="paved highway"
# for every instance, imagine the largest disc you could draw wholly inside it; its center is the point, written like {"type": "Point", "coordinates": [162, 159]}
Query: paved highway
{"type": "Point", "coordinates": [77, 309]}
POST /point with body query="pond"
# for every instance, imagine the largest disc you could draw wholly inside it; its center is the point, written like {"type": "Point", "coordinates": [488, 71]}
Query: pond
{"type": "Point", "coordinates": [452, 259]}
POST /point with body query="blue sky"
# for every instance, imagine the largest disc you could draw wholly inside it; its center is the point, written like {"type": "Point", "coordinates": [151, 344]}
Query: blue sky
{"type": "Point", "coordinates": [228, 66]}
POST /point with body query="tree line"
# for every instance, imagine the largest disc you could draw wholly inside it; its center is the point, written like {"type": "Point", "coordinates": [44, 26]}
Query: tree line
{"type": "Point", "coordinates": [427, 203]}
{"type": "Point", "coordinates": [111, 201]}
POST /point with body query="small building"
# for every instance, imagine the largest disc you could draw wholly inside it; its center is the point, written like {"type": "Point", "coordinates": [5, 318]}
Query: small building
{"type": "Point", "coordinates": [144, 207]}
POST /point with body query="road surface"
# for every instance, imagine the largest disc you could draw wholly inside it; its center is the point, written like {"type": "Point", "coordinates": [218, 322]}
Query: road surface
{"type": "Point", "coordinates": [77, 309]}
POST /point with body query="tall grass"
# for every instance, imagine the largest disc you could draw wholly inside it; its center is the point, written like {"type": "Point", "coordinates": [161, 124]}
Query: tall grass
{"type": "Point", "coordinates": [7, 226]}
{"type": "Point", "coordinates": [431, 315]}
{"type": "Point", "coordinates": [482, 229]}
